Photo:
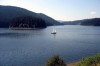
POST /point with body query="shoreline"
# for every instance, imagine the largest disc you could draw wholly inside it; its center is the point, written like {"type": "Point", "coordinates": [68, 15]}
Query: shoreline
{"type": "Point", "coordinates": [73, 63]}
{"type": "Point", "coordinates": [23, 28]}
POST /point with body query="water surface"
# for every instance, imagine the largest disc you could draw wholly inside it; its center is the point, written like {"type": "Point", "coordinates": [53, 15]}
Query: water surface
{"type": "Point", "coordinates": [34, 47]}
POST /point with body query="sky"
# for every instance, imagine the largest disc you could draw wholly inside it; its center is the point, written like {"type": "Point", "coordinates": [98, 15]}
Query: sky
{"type": "Point", "coordinates": [66, 10]}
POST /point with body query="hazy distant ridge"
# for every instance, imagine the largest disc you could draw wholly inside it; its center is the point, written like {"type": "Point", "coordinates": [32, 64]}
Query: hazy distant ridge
{"type": "Point", "coordinates": [88, 22]}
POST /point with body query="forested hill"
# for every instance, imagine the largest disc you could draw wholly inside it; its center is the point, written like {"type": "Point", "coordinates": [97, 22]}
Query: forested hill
{"type": "Point", "coordinates": [88, 22]}
{"type": "Point", "coordinates": [91, 22]}
{"type": "Point", "coordinates": [11, 15]}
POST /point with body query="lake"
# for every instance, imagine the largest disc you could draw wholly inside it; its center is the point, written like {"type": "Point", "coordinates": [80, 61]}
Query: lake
{"type": "Point", "coordinates": [34, 47]}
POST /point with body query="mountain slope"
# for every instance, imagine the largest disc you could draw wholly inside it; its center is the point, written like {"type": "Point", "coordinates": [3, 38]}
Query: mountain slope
{"type": "Point", "coordinates": [71, 22]}
{"type": "Point", "coordinates": [49, 20]}
{"type": "Point", "coordinates": [92, 22]}
{"type": "Point", "coordinates": [8, 13]}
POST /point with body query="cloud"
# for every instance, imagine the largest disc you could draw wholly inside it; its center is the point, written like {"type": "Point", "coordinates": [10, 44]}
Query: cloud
{"type": "Point", "coordinates": [93, 13]}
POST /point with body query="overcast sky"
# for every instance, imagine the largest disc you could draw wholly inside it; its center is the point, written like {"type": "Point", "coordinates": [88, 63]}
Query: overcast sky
{"type": "Point", "coordinates": [60, 9]}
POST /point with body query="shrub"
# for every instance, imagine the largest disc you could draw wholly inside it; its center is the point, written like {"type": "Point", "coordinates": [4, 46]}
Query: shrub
{"type": "Point", "coordinates": [55, 61]}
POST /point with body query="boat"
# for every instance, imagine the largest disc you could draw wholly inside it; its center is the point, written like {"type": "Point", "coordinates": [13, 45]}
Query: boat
{"type": "Point", "coordinates": [54, 31]}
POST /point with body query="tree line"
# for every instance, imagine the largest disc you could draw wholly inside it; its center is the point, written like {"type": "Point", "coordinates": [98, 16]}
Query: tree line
{"type": "Point", "coordinates": [27, 22]}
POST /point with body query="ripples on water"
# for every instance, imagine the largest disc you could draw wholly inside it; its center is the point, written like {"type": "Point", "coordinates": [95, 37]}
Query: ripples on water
{"type": "Point", "coordinates": [34, 47]}
{"type": "Point", "coordinates": [13, 35]}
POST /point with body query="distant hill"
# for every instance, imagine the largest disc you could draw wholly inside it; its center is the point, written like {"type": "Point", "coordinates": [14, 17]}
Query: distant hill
{"type": "Point", "coordinates": [71, 22]}
{"type": "Point", "coordinates": [9, 14]}
{"type": "Point", "coordinates": [88, 22]}
{"type": "Point", "coordinates": [91, 22]}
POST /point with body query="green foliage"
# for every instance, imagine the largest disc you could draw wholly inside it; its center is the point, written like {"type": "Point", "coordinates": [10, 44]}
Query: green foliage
{"type": "Point", "coordinates": [55, 61]}
{"type": "Point", "coordinates": [90, 61]}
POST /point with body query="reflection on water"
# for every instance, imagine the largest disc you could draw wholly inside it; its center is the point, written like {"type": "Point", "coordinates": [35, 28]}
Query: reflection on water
{"type": "Point", "coordinates": [19, 33]}
{"type": "Point", "coordinates": [14, 35]}
{"type": "Point", "coordinates": [54, 35]}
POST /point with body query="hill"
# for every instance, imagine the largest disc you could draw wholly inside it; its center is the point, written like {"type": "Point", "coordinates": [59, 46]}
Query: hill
{"type": "Point", "coordinates": [49, 20]}
{"type": "Point", "coordinates": [71, 22]}
{"type": "Point", "coordinates": [10, 14]}
{"type": "Point", "coordinates": [88, 22]}
{"type": "Point", "coordinates": [91, 22]}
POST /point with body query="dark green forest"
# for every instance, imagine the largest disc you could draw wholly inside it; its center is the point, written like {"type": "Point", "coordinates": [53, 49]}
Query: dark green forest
{"type": "Point", "coordinates": [27, 22]}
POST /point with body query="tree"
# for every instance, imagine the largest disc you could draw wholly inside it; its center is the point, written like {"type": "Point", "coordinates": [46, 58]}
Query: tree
{"type": "Point", "coordinates": [55, 61]}
{"type": "Point", "coordinates": [28, 22]}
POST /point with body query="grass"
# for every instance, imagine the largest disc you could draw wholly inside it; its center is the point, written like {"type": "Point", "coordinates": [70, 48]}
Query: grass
{"type": "Point", "coordinates": [90, 61]}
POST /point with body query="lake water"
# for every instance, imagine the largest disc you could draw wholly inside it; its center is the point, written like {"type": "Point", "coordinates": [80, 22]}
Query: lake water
{"type": "Point", "coordinates": [34, 47]}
